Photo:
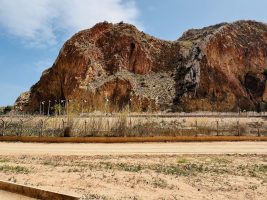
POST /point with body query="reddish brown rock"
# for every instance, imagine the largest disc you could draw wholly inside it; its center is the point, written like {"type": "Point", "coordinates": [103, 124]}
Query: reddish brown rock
{"type": "Point", "coordinates": [232, 64]}
{"type": "Point", "coordinates": [113, 66]}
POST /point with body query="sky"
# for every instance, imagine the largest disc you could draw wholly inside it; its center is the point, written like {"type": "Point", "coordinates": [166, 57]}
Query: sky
{"type": "Point", "coordinates": [33, 31]}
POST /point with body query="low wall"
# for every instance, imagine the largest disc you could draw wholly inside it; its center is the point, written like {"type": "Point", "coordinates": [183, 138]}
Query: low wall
{"type": "Point", "coordinates": [34, 192]}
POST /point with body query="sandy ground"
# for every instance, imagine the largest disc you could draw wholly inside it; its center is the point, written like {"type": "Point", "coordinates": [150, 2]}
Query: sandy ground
{"type": "Point", "coordinates": [10, 196]}
{"type": "Point", "coordinates": [190, 171]}
{"type": "Point", "coordinates": [189, 177]}
{"type": "Point", "coordinates": [133, 148]}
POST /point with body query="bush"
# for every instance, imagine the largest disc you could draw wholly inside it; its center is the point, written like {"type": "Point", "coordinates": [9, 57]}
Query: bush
{"type": "Point", "coordinates": [7, 109]}
{"type": "Point", "coordinates": [67, 132]}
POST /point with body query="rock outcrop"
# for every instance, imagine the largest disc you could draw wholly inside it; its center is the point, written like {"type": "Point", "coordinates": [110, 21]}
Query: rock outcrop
{"type": "Point", "coordinates": [113, 66]}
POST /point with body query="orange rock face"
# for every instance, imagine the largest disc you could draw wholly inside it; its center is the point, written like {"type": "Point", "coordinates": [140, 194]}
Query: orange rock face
{"type": "Point", "coordinates": [115, 66]}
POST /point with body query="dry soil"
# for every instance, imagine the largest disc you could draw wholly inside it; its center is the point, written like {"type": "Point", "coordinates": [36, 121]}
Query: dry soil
{"type": "Point", "coordinates": [140, 171]}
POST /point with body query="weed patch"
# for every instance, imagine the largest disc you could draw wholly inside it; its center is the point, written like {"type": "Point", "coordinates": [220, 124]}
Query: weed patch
{"type": "Point", "coordinates": [14, 169]}
{"type": "Point", "coordinates": [3, 160]}
{"type": "Point", "coordinates": [159, 183]}
{"type": "Point", "coordinates": [121, 166]}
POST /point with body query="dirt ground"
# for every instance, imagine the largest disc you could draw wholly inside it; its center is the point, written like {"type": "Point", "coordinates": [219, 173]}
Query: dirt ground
{"type": "Point", "coordinates": [140, 175]}
{"type": "Point", "coordinates": [17, 148]}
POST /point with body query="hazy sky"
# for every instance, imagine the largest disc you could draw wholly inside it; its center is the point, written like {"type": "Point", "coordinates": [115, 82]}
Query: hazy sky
{"type": "Point", "coordinates": [33, 31]}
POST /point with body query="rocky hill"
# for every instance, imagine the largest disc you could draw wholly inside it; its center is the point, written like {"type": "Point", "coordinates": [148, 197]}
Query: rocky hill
{"type": "Point", "coordinates": [113, 66]}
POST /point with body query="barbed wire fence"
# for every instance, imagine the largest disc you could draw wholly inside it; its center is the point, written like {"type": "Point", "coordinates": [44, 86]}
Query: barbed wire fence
{"type": "Point", "coordinates": [55, 119]}
{"type": "Point", "coordinates": [126, 124]}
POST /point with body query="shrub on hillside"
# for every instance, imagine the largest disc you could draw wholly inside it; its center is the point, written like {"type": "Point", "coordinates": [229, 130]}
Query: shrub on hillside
{"type": "Point", "coordinates": [5, 110]}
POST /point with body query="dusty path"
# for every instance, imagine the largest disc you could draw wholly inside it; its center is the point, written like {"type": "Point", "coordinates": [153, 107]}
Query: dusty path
{"type": "Point", "coordinates": [10, 196]}
{"type": "Point", "coordinates": [133, 148]}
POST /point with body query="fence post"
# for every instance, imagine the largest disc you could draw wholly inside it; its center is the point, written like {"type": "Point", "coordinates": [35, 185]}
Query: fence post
{"type": "Point", "coordinates": [196, 127]}
{"type": "Point", "coordinates": [42, 126]}
{"type": "Point", "coordinates": [108, 129]}
{"type": "Point", "coordinates": [21, 127]}
{"type": "Point", "coordinates": [3, 122]}
{"type": "Point", "coordinates": [85, 127]}
{"type": "Point", "coordinates": [130, 125]}
{"type": "Point", "coordinates": [63, 125]}
{"type": "Point", "coordinates": [217, 124]}
{"type": "Point", "coordinates": [238, 129]}
{"type": "Point", "coordinates": [5, 126]}
{"type": "Point", "coordinates": [258, 127]}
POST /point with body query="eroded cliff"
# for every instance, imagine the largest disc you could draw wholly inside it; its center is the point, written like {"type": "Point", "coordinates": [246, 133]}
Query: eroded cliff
{"type": "Point", "coordinates": [113, 66]}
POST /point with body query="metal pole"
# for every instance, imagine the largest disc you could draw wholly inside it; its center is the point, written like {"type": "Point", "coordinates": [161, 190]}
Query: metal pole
{"type": "Point", "coordinates": [106, 105]}
{"type": "Point", "coordinates": [63, 106]}
{"type": "Point", "coordinates": [43, 107]}
{"type": "Point", "coordinates": [48, 110]}
{"type": "Point", "coordinates": [40, 107]}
